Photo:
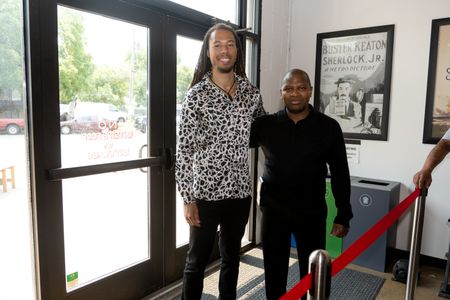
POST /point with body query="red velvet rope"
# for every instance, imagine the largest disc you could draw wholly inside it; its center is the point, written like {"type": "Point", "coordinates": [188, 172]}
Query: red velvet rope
{"type": "Point", "coordinates": [357, 247]}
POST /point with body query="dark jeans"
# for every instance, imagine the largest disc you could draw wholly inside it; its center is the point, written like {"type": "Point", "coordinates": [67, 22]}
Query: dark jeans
{"type": "Point", "coordinates": [276, 228]}
{"type": "Point", "coordinates": [232, 216]}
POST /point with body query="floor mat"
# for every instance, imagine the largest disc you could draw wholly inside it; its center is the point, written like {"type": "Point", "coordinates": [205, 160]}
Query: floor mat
{"type": "Point", "coordinates": [346, 285]}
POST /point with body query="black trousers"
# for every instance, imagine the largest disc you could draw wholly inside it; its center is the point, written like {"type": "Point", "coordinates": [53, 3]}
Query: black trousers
{"type": "Point", "coordinates": [232, 216]}
{"type": "Point", "coordinates": [276, 229]}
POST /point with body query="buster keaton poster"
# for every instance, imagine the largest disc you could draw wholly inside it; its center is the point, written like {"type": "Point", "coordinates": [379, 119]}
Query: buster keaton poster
{"type": "Point", "coordinates": [353, 80]}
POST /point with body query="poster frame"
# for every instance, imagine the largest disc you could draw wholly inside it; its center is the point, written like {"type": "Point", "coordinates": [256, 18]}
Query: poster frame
{"type": "Point", "coordinates": [430, 136]}
{"type": "Point", "coordinates": [367, 130]}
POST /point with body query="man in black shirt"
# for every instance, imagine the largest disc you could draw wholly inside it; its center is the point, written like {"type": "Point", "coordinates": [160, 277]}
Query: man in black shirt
{"type": "Point", "coordinates": [298, 142]}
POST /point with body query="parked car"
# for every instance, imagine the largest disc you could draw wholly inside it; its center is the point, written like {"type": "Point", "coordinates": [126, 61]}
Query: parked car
{"type": "Point", "coordinates": [88, 123]}
{"type": "Point", "coordinates": [140, 123]}
{"type": "Point", "coordinates": [64, 112]}
{"type": "Point", "coordinates": [12, 126]}
{"type": "Point", "coordinates": [109, 111]}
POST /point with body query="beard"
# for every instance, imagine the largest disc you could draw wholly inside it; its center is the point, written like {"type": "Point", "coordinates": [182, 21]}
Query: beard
{"type": "Point", "coordinates": [225, 70]}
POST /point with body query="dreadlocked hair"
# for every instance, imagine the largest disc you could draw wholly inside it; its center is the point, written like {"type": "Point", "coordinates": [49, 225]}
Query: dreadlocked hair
{"type": "Point", "coordinates": [204, 63]}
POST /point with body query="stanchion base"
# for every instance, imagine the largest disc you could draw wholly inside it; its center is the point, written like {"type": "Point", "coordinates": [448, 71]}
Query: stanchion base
{"type": "Point", "coordinates": [444, 292]}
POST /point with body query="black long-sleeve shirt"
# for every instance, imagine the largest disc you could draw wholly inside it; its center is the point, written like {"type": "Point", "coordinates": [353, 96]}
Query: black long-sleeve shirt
{"type": "Point", "coordinates": [295, 167]}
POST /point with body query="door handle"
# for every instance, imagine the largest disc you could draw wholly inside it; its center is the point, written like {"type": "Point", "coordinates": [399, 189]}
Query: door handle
{"type": "Point", "coordinates": [169, 158]}
{"type": "Point", "coordinates": [141, 150]}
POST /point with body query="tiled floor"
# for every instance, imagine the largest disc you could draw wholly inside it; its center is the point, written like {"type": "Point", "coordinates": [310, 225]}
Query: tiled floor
{"type": "Point", "coordinates": [427, 288]}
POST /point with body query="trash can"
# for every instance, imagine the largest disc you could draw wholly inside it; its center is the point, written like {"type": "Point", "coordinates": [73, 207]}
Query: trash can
{"type": "Point", "coordinates": [371, 200]}
{"type": "Point", "coordinates": [333, 244]}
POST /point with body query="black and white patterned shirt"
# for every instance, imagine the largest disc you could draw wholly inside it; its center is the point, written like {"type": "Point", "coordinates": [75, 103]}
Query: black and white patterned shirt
{"type": "Point", "coordinates": [212, 155]}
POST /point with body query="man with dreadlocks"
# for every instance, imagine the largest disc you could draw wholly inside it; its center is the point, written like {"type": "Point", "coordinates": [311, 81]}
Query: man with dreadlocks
{"type": "Point", "coordinates": [212, 168]}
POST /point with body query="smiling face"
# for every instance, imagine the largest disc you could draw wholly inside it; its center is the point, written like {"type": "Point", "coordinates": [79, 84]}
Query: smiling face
{"type": "Point", "coordinates": [296, 92]}
{"type": "Point", "coordinates": [222, 51]}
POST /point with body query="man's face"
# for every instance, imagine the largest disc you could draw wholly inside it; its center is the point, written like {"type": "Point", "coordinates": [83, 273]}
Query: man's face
{"type": "Point", "coordinates": [296, 93]}
{"type": "Point", "coordinates": [344, 90]}
{"type": "Point", "coordinates": [222, 51]}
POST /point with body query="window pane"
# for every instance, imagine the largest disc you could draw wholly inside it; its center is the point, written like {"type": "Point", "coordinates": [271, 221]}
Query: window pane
{"type": "Point", "coordinates": [251, 15]}
{"type": "Point", "coordinates": [103, 69]}
{"type": "Point", "coordinates": [250, 60]}
{"type": "Point", "coordinates": [16, 247]}
{"type": "Point", "coordinates": [103, 88]}
{"type": "Point", "coordinates": [105, 224]}
{"type": "Point", "coordinates": [223, 9]}
{"type": "Point", "coordinates": [188, 51]}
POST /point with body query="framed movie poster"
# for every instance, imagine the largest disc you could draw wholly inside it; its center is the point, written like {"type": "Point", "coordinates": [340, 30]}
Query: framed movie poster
{"type": "Point", "coordinates": [437, 110]}
{"type": "Point", "coordinates": [353, 79]}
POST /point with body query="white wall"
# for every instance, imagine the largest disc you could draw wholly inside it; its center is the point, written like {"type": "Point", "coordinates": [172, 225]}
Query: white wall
{"type": "Point", "coordinates": [399, 157]}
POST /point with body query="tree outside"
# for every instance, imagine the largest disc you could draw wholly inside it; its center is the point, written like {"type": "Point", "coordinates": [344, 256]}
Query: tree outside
{"type": "Point", "coordinates": [75, 65]}
{"type": "Point", "coordinates": [184, 78]}
{"type": "Point", "coordinates": [79, 77]}
{"type": "Point", "coordinates": [11, 59]}
{"type": "Point", "coordinates": [11, 49]}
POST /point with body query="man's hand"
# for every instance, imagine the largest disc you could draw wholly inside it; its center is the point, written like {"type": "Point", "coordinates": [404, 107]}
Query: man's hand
{"type": "Point", "coordinates": [191, 214]}
{"type": "Point", "coordinates": [339, 230]}
{"type": "Point", "coordinates": [422, 179]}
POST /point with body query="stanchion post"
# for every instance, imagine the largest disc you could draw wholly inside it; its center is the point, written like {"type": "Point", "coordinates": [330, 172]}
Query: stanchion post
{"type": "Point", "coordinates": [320, 269]}
{"type": "Point", "coordinates": [416, 241]}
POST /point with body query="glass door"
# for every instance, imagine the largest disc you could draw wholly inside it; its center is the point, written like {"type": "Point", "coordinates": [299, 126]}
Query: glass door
{"type": "Point", "coordinates": [99, 149]}
{"type": "Point", "coordinates": [106, 215]}
{"type": "Point", "coordinates": [106, 79]}
{"type": "Point", "coordinates": [16, 250]}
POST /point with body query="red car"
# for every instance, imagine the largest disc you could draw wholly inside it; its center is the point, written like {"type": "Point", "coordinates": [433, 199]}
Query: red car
{"type": "Point", "coordinates": [88, 123]}
{"type": "Point", "coordinates": [12, 126]}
